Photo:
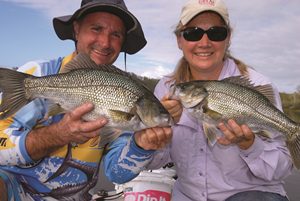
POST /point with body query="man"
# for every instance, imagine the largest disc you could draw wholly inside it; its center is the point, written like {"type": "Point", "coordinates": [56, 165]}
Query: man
{"type": "Point", "coordinates": [37, 161]}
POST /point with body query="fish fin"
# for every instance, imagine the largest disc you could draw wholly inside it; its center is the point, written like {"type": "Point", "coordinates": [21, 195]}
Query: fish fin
{"type": "Point", "coordinates": [266, 90]}
{"type": "Point", "coordinates": [293, 145]}
{"type": "Point", "coordinates": [211, 132]}
{"type": "Point", "coordinates": [55, 109]}
{"type": "Point", "coordinates": [83, 60]}
{"type": "Point", "coordinates": [13, 96]}
{"type": "Point", "coordinates": [121, 116]}
{"type": "Point", "coordinates": [211, 113]}
{"type": "Point", "coordinates": [240, 80]}
{"type": "Point", "coordinates": [108, 135]}
{"type": "Point", "coordinates": [80, 61]}
{"type": "Point", "coordinates": [264, 133]}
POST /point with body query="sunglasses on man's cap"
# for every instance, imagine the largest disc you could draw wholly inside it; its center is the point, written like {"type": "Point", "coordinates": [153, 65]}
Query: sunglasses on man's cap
{"type": "Point", "coordinates": [216, 33]}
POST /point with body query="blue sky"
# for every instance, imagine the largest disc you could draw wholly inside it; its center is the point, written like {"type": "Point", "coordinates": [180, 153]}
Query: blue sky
{"type": "Point", "coordinates": [266, 35]}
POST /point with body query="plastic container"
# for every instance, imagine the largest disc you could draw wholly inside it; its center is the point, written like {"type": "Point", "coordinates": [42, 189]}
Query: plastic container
{"type": "Point", "coordinates": [149, 186]}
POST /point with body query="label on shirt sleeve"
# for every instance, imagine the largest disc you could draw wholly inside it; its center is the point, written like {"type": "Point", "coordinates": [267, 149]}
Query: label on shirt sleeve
{"type": "Point", "coordinates": [5, 142]}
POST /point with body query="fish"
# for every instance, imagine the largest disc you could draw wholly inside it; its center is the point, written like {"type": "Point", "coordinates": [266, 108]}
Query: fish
{"type": "Point", "coordinates": [117, 95]}
{"type": "Point", "coordinates": [215, 101]}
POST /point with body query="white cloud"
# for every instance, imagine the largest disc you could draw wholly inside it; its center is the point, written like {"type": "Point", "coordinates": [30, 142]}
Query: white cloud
{"type": "Point", "coordinates": [157, 72]}
{"type": "Point", "coordinates": [51, 8]}
{"type": "Point", "coordinates": [265, 35]}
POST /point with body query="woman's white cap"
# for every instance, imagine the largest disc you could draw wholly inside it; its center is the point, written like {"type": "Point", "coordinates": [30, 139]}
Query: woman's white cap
{"type": "Point", "coordinates": [195, 7]}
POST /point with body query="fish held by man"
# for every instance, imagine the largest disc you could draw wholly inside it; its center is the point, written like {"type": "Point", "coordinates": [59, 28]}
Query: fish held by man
{"type": "Point", "coordinates": [116, 95]}
{"type": "Point", "coordinates": [237, 98]}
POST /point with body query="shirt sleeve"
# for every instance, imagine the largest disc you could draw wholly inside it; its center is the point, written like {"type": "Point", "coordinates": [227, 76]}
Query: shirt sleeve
{"type": "Point", "coordinates": [268, 159]}
{"type": "Point", "coordinates": [124, 160]}
{"type": "Point", "coordinates": [14, 129]}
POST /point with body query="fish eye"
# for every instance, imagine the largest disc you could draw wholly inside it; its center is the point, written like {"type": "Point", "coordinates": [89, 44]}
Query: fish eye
{"type": "Point", "coordinates": [183, 86]}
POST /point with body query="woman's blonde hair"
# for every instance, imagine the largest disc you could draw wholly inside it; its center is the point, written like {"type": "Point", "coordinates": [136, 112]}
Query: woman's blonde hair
{"type": "Point", "coordinates": [182, 71]}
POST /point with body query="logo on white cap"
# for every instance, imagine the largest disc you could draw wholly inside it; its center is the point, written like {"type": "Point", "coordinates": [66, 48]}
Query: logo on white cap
{"type": "Point", "coordinates": [207, 2]}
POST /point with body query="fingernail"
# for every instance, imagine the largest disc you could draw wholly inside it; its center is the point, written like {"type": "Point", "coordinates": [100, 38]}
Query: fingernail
{"type": "Point", "coordinates": [103, 121]}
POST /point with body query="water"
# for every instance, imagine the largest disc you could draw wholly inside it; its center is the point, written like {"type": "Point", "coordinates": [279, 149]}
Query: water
{"type": "Point", "coordinates": [292, 183]}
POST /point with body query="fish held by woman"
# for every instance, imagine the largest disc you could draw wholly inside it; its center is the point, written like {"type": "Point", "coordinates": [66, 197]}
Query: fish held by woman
{"type": "Point", "coordinates": [237, 98]}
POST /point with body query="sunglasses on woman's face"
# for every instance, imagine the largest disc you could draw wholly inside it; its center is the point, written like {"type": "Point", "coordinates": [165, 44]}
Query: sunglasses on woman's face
{"type": "Point", "coordinates": [213, 33]}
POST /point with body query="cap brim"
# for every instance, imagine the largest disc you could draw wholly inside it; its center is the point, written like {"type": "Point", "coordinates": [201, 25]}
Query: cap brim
{"type": "Point", "coordinates": [135, 39]}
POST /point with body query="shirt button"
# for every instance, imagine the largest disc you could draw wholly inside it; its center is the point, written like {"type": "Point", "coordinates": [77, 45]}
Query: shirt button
{"type": "Point", "coordinates": [203, 194]}
{"type": "Point", "coordinates": [200, 173]}
{"type": "Point", "coordinates": [201, 149]}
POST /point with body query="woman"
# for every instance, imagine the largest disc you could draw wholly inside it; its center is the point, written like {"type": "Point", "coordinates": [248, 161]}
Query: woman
{"type": "Point", "coordinates": [241, 166]}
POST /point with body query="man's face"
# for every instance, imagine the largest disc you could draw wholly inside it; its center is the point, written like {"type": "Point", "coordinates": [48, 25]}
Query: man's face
{"type": "Point", "coordinates": [101, 36]}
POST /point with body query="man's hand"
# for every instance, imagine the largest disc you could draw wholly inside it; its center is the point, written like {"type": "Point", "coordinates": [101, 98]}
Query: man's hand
{"type": "Point", "coordinates": [73, 128]}
{"type": "Point", "coordinates": [70, 129]}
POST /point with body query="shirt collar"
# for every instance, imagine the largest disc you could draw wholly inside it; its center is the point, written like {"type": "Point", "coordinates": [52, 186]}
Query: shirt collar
{"type": "Point", "coordinates": [66, 60]}
{"type": "Point", "coordinates": [229, 69]}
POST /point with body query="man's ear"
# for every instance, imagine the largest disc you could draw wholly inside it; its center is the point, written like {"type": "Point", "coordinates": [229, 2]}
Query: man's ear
{"type": "Point", "coordinates": [75, 30]}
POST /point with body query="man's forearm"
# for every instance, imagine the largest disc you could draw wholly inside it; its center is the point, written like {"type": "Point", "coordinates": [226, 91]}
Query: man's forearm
{"type": "Point", "coordinates": [41, 142]}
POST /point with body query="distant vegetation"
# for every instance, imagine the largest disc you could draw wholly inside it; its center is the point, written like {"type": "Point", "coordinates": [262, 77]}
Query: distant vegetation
{"type": "Point", "coordinates": [150, 83]}
{"type": "Point", "coordinates": [291, 105]}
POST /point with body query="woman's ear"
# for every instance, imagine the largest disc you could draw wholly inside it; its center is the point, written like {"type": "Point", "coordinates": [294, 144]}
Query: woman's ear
{"type": "Point", "coordinates": [179, 42]}
{"type": "Point", "coordinates": [228, 39]}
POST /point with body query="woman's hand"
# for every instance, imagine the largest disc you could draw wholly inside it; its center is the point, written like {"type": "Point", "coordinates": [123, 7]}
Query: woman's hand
{"type": "Point", "coordinates": [236, 134]}
{"type": "Point", "coordinates": [174, 107]}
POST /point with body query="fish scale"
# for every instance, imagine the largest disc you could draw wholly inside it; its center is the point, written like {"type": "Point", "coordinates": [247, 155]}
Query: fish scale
{"type": "Point", "coordinates": [116, 95]}
{"type": "Point", "coordinates": [215, 101]}
{"type": "Point", "coordinates": [245, 101]}
{"type": "Point", "coordinates": [100, 87]}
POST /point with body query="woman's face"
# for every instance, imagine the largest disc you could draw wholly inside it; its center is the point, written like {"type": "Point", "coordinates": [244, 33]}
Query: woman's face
{"type": "Point", "coordinates": [205, 57]}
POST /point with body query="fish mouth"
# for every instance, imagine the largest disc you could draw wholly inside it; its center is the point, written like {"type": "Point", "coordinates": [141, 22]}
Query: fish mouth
{"type": "Point", "coordinates": [163, 120]}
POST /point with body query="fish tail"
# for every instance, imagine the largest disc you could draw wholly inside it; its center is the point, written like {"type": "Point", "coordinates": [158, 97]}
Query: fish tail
{"type": "Point", "coordinates": [13, 91]}
{"type": "Point", "coordinates": [294, 147]}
